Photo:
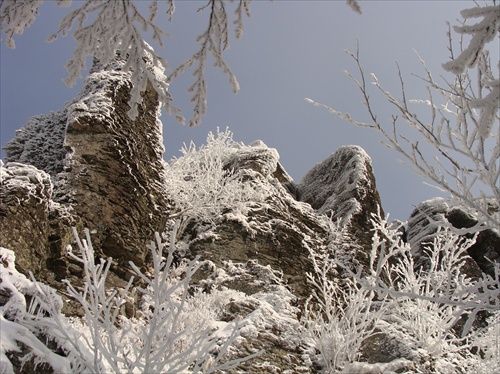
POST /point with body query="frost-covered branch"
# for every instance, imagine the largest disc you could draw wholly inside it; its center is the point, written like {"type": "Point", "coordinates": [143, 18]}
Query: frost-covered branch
{"type": "Point", "coordinates": [482, 33]}
{"type": "Point", "coordinates": [161, 337]}
{"type": "Point", "coordinates": [16, 16]}
{"type": "Point", "coordinates": [464, 124]}
{"type": "Point", "coordinates": [114, 29]}
{"type": "Point", "coordinates": [13, 330]}
{"type": "Point", "coordinates": [105, 28]}
{"type": "Point", "coordinates": [214, 41]}
{"type": "Point", "coordinates": [337, 331]}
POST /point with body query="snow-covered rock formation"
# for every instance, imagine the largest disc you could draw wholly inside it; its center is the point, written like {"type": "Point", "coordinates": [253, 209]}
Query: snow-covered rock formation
{"type": "Point", "coordinates": [343, 187]}
{"type": "Point", "coordinates": [429, 215]}
{"type": "Point", "coordinates": [233, 205]}
{"type": "Point", "coordinates": [106, 170]}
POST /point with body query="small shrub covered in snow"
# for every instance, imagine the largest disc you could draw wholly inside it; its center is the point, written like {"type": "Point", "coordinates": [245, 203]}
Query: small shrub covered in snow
{"type": "Point", "coordinates": [203, 185]}
{"type": "Point", "coordinates": [166, 335]}
{"type": "Point", "coordinates": [420, 307]}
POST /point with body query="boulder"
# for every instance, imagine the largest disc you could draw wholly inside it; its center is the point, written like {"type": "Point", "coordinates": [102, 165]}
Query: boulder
{"type": "Point", "coordinates": [429, 215]}
{"type": "Point", "coordinates": [486, 250]}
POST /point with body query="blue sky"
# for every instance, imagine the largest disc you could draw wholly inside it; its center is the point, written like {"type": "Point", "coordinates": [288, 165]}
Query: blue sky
{"type": "Point", "coordinates": [290, 50]}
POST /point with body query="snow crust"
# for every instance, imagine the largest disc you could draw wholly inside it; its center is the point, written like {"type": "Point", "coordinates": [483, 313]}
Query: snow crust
{"type": "Point", "coordinates": [16, 175]}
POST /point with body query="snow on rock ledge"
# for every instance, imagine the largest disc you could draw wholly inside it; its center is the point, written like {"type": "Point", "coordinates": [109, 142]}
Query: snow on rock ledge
{"type": "Point", "coordinates": [25, 194]}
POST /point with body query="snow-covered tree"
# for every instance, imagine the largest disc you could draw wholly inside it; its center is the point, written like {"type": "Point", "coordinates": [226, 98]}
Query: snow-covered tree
{"type": "Point", "coordinates": [464, 124]}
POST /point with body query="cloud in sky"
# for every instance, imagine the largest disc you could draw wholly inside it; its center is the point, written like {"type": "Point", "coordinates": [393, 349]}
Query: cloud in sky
{"type": "Point", "coordinates": [290, 50]}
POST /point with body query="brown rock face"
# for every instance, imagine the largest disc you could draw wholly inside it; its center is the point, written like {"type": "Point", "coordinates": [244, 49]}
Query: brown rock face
{"type": "Point", "coordinates": [25, 194]}
{"type": "Point", "coordinates": [113, 173]}
{"type": "Point", "coordinates": [107, 169]}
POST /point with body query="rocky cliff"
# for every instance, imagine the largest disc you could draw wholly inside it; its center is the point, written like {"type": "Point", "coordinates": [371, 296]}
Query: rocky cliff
{"type": "Point", "coordinates": [89, 165]}
{"type": "Point", "coordinates": [106, 173]}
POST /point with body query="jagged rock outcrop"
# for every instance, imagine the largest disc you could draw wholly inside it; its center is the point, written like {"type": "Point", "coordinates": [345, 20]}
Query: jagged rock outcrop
{"type": "Point", "coordinates": [105, 168]}
{"type": "Point", "coordinates": [344, 186]}
{"type": "Point", "coordinates": [104, 171]}
{"type": "Point", "coordinates": [115, 181]}
{"type": "Point", "coordinates": [277, 231]}
{"type": "Point", "coordinates": [90, 165]}
{"type": "Point", "coordinates": [270, 313]}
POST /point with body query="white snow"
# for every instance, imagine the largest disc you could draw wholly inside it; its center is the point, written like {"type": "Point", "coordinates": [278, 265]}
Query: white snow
{"type": "Point", "coordinates": [23, 173]}
{"type": "Point", "coordinates": [14, 319]}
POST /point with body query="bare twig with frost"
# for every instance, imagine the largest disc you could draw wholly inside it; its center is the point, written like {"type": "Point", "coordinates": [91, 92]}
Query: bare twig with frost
{"type": "Point", "coordinates": [464, 130]}
{"type": "Point", "coordinates": [160, 340]}
{"type": "Point", "coordinates": [105, 28]}
{"type": "Point", "coordinates": [214, 41]}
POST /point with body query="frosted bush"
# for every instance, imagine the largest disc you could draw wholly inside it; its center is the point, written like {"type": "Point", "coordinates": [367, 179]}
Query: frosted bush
{"type": "Point", "coordinates": [203, 186]}
{"type": "Point", "coordinates": [425, 301]}
{"type": "Point", "coordinates": [339, 316]}
{"type": "Point", "coordinates": [337, 330]}
{"type": "Point", "coordinates": [167, 334]}
{"type": "Point", "coordinates": [417, 304]}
